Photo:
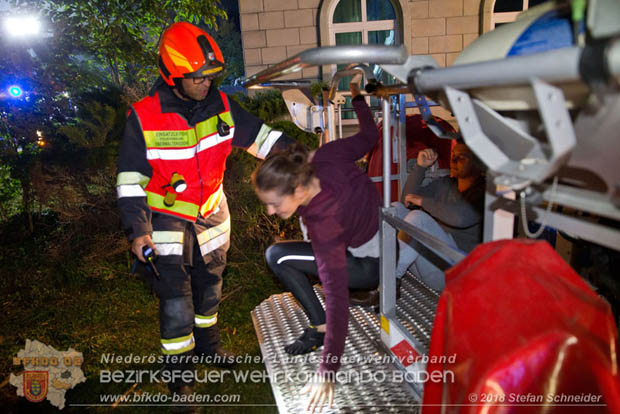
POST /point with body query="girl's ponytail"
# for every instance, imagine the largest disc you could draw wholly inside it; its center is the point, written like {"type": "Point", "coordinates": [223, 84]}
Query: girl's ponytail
{"type": "Point", "coordinates": [284, 170]}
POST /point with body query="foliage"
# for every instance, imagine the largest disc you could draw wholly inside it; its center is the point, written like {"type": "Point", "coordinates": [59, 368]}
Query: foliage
{"type": "Point", "coordinates": [293, 131]}
{"type": "Point", "coordinates": [49, 132]}
{"type": "Point", "coordinates": [228, 38]}
{"type": "Point", "coordinates": [227, 34]}
{"type": "Point", "coordinates": [316, 90]}
{"type": "Point", "coordinates": [25, 121]}
{"type": "Point", "coordinates": [269, 105]}
{"type": "Point", "coordinates": [9, 192]}
{"type": "Point", "coordinates": [91, 128]}
{"type": "Point", "coordinates": [120, 36]}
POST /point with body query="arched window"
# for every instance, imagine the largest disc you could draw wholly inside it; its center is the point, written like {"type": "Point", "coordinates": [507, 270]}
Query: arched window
{"type": "Point", "coordinates": [362, 22]}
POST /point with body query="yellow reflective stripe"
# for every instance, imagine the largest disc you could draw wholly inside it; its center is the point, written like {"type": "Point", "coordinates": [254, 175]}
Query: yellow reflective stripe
{"type": "Point", "coordinates": [177, 345]}
{"type": "Point", "coordinates": [172, 138]}
{"type": "Point", "coordinates": [227, 117]}
{"type": "Point", "coordinates": [178, 58]}
{"type": "Point", "coordinates": [215, 243]}
{"type": "Point", "coordinates": [209, 126]}
{"type": "Point", "coordinates": [167, 237]}
{"type": "Point", "coordinates": [214, 232]}
{"type": "Point", "coordinates": [186, 153]}
{"type": "Point", "coordinates": [168, 243]}
{"type": "Point", "coordinates": [182, 144]}
{"type": "Point", "coordinates": [214, 70]}
{"type": "Point", "coordinates": [213, 200]}
{"type": "Point", "coordinates": [132, 177]}
{"type": "Point", "coordinates": [261, 137]}
{"type": "Point", "coordinates": [265, 140]}
{"type": "Point", "coordinates": [182, 207]}
{"type": "Point", "coordinates": [205, 321]}
{"type": "Point", "coordinates": [133, 190]}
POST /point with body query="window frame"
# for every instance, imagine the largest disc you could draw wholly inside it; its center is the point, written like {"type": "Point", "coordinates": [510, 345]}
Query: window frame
{"type": "Point", "coordinates": [504, 17]}
{"type": "Point", "coordinates": [364, 26]}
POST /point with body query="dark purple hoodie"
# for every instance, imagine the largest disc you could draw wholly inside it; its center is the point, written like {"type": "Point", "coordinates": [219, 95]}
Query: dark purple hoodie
{"type": "Point", "coordinates": [344, 214]}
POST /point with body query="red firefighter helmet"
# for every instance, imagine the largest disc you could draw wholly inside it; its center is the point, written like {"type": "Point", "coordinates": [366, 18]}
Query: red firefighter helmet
{"type": "Point", "coordinates": [185, 51]}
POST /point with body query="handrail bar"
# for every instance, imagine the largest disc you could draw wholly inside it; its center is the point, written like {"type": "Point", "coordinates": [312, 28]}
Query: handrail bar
{"type": "Point", "coordinates": [553, 66]}
{"type": "Point", "coordinates": [328, 55]}
{"type": "Point", "coordinates": [450, 254]}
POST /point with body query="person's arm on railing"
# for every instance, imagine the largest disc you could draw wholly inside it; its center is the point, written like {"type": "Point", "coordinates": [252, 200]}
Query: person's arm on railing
{"type": "Point", "coordinates": [355, 147]}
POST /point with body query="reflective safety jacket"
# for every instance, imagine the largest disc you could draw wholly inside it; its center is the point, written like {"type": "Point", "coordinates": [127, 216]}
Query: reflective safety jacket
{"type": "Point", "coordinates": [196, 155]}
{"type": "Point", "coordinates": [172, 162]}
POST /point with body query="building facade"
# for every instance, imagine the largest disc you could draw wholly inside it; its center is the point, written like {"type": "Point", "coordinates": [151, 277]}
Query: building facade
{"type": "Point", "coordinates": [274, 30]}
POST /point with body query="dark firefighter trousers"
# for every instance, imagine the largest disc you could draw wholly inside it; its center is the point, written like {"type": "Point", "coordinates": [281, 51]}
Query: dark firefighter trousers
{"type": "Point", "coordinates": [187, 292]}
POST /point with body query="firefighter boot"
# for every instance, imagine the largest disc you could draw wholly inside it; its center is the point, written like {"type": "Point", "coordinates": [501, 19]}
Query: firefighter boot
{"type": "Point", "coordinates": [180, 370]}
{"type": "Point", "coordinates": [208, 346]}
{"type": "Point", "coordinates": [180, 396]}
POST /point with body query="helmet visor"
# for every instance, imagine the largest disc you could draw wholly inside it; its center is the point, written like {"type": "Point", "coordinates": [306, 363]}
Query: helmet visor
{"type": "Point", "coordinates": [210, 69]}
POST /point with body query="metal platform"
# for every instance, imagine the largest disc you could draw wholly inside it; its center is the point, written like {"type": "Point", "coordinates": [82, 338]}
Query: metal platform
{"type": "Point", "coordinates": [368, 381]}
{"type": "Point", "coordinates": [416, 308]}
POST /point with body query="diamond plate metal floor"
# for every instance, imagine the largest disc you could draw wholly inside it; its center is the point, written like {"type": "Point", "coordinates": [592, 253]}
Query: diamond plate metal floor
{"type": "Point", "coordinates": [416, 308]}
{"type": "Point", "coordinates": [368, 381]}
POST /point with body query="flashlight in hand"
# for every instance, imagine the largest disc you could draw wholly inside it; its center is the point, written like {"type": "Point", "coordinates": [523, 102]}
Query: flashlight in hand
{"type": "Point", "coordinates": [150, 257]}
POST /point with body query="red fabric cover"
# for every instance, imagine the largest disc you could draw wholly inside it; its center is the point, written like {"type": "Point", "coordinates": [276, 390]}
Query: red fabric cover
{"type": "Point", "coordinates": [419, 137]}
{"type": "Point", "coordinates": [519, 321]}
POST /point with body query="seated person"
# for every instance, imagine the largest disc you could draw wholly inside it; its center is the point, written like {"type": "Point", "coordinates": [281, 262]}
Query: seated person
{"type": "Point", "coordinates": [450, 209]}
{"type": "Point", "coordinates": [418, 136]}
{"type": "Point", "coordinates": [339, 204]}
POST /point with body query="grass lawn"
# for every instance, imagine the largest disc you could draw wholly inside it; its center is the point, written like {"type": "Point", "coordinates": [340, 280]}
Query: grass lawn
{"type": "Point", "coordinates": [118, 314]}
{"type": "Point", "coordinates": [81, 295]}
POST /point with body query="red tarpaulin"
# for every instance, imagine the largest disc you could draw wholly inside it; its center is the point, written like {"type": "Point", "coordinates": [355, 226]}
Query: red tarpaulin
{"type": "Point", "coordinates": [529, 336]}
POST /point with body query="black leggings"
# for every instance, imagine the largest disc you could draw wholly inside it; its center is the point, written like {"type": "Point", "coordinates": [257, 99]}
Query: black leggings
{"type": "Point", "coordinates": [296, 260]}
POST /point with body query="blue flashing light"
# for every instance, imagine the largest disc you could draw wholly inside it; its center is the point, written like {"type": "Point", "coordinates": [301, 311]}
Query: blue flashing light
{"type": "Point", "coordinates": [15, 91]}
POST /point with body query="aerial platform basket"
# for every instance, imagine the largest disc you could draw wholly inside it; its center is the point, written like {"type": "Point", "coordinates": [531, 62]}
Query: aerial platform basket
{"type": "Point", "coordinates": [555, 144]}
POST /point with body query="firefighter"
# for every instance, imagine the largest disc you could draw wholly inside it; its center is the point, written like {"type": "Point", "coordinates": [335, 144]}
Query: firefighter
{"type": "Point", "coordinates": [171, 197]}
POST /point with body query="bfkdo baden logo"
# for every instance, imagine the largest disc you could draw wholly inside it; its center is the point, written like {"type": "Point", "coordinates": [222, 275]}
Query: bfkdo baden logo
{"type": "Point", "coordinates": [35, 385]}
{"type": "Point", "coordinates": [47, 374]}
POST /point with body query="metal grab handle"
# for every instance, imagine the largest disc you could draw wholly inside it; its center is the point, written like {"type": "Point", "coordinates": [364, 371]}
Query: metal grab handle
{"type": "Point", "coordinates": [450, 254]}
{"type": "Point", "coordinates": [329, 55]}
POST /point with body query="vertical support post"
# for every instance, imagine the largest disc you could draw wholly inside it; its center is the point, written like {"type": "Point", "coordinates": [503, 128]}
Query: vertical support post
{"type": "Point", "coordinates": [498, 224]}
{"type": "Point", "coordinates": [387, 298]}
{"type": "Point", "coordinates": [402, 137]}
{"type": "Point", "coordinates": [489, 198]}
{"type": "Point", "coordinates": [386, 152]}
{"type": "Point", "coordinates": [327, 134]}
{"type": "Point", "coordinates": [339, 121]}
{"type": "Point", "coordinates": [331, 128]}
